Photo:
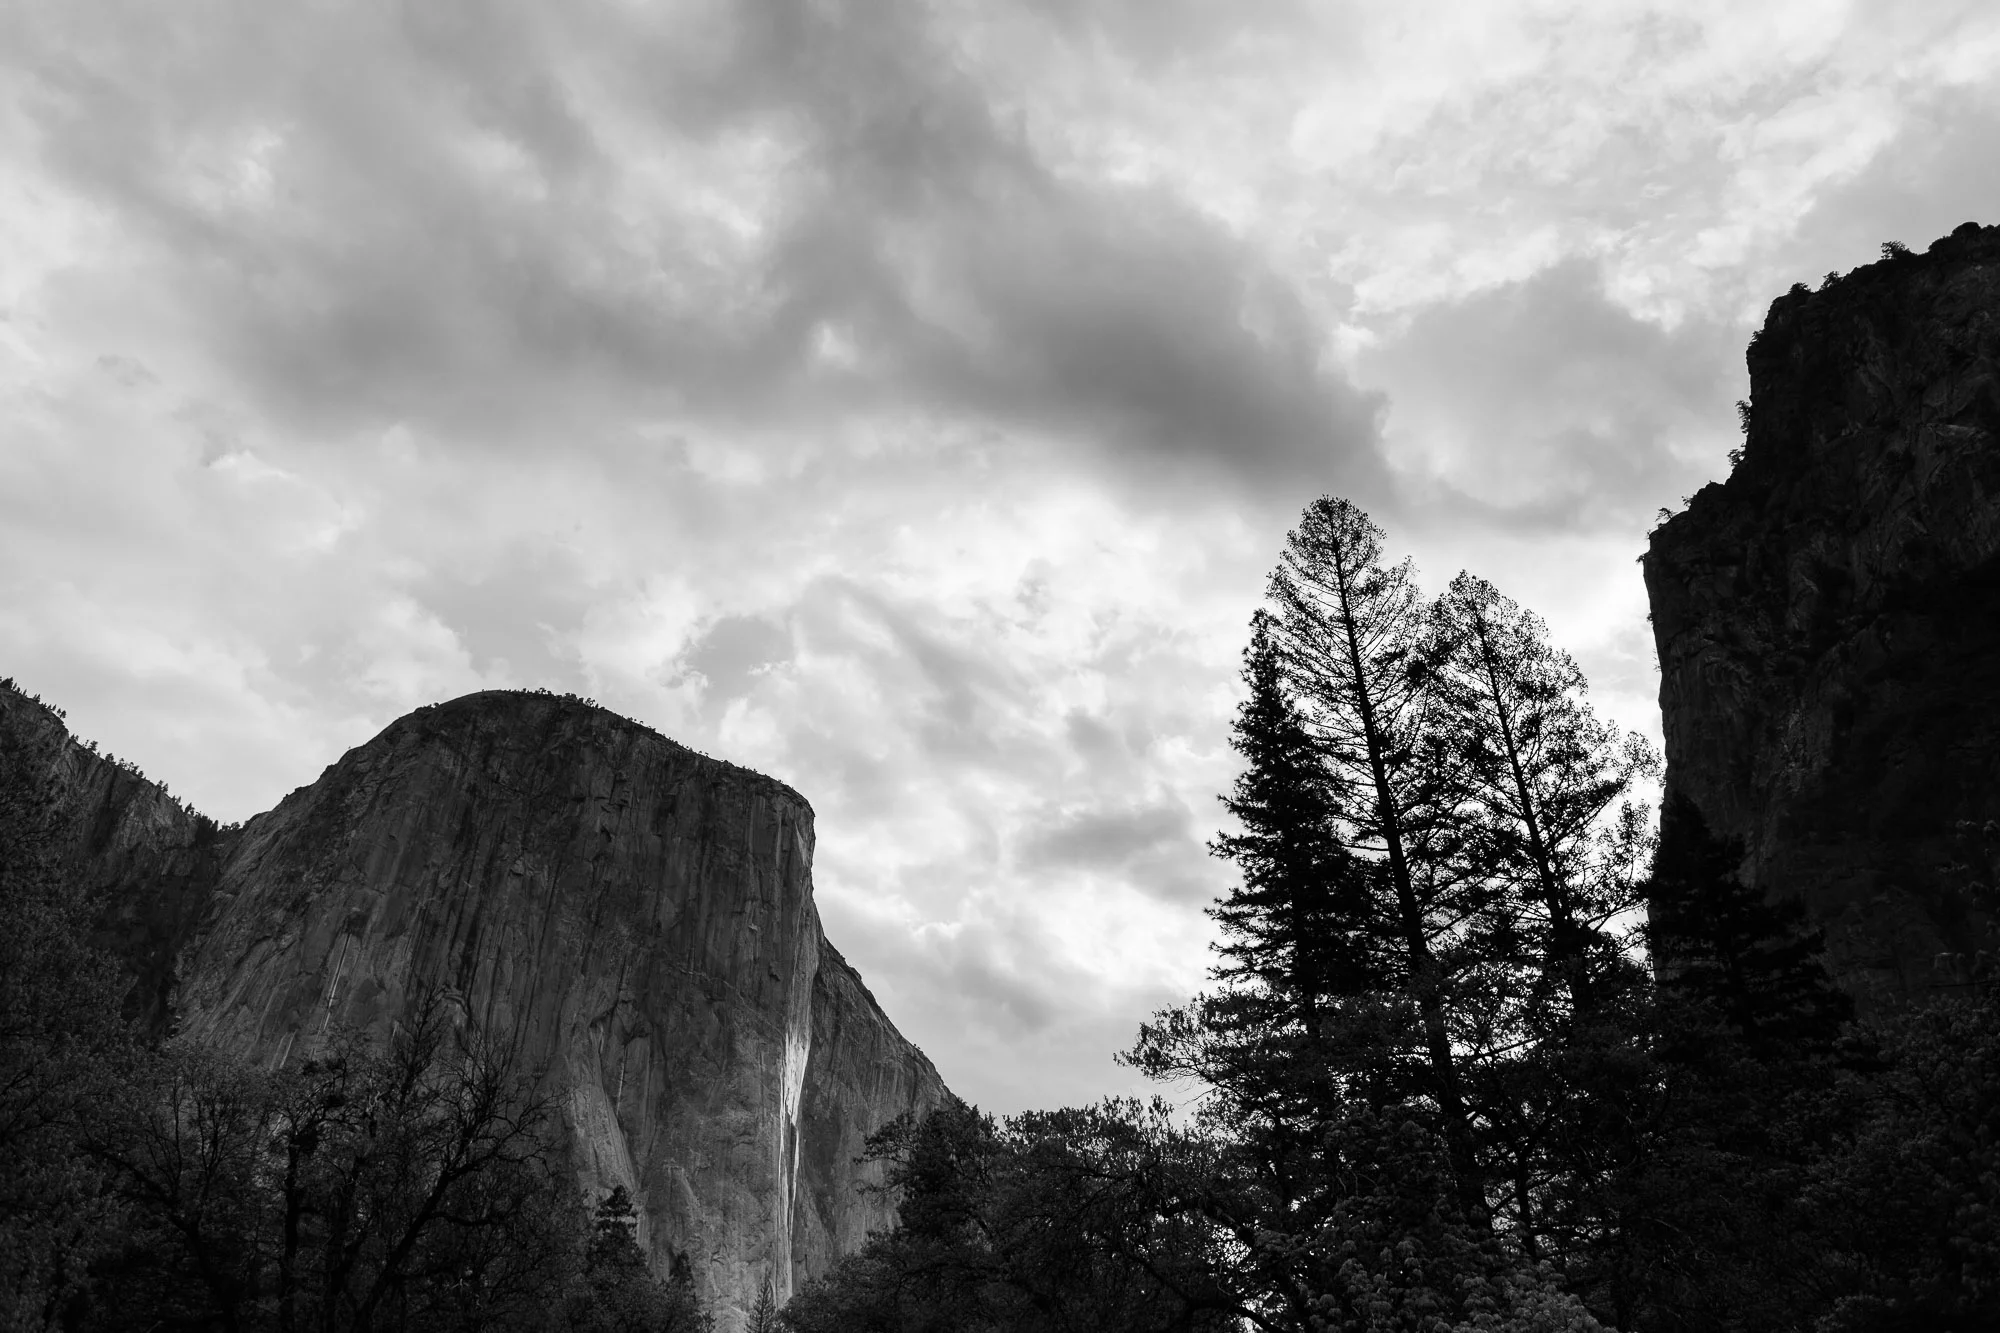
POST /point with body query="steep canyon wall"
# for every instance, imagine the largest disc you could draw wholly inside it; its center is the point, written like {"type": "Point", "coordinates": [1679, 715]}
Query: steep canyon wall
{"type": "Point", "coordinates": [638, 916]}
{"type": "Point", "coordinates": [1828, 618]}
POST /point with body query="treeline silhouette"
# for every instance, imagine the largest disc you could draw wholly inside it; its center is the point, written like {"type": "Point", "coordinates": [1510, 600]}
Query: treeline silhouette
{"type": "Point", "coordinates": [1482, 1051]}
{"type": "Point", "coordinates": [160, 1187]}
{"type": "Point", "coordinates": [126, 766]}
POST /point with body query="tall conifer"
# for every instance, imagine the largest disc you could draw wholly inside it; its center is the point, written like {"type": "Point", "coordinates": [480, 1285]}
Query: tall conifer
{"type": "Point", "coordinates": [1351, 630]}
{"type": "Point", "coordinates": [1301, 923]}
{"type": "Point", "coordinates": [1540, 775]}
{"type": "Point", "coordinates": [1547, 828]}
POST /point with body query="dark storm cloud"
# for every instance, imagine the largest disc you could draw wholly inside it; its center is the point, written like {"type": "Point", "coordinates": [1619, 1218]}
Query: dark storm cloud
{"type": "Point", "coordinates": [1106, 837]}
{"type": "Point", "coordinates": [1560, 409]}
{"type": "Point", "coordinates": [1153, 847]}
{"type": "Point", "coordinates": [421, 214]}
{"type": "Point", "coordinates": [1127, 319]}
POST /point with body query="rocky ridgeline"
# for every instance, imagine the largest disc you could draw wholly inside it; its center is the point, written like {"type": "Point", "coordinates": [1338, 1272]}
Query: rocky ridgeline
{"type": "Point", "coordinates": [1828, 618]}
{"type": "Point", "coordinates": [639, 916]}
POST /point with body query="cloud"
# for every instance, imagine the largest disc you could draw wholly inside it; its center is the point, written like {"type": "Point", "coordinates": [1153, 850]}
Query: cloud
{"type": "Point", "coordinates": [733, 650]}
{"type": "Point", "coordinates": [1546, 404]}
{"type": "Point", "coordinates": [517, 610]}
{"type": "Point", "coordinates": [1942, 170]}
{"type": "Point", "coordinates": [904, 399]}
{"type": "Point", "coordinates": [1099, 838]}
{"type": "Point", "coordinates": [1153, 847]}
{"type": "Point", "coordinates": [1011, 975]}
{"type": "Point", "coordinates": [739, 214]}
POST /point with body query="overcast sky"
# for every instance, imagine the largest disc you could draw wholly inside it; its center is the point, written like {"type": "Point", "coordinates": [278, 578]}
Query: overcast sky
{"type": "Point", "coordinates": [907, 400]}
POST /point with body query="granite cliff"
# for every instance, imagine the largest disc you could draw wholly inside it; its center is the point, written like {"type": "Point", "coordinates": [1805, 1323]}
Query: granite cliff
{"type": "Point", "coordinates": [638, 916]}
{"type": "Point", "coordinates": [1828, 618]}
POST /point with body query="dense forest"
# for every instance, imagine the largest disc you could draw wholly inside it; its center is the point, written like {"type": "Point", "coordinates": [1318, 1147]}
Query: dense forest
{"type": "Point", "coordinates": [1485, 1049]}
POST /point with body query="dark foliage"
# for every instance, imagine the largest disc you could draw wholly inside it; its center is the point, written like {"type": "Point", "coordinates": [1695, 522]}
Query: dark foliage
{"type": "Point", "coordinates": [417, 1188]}
{"type": "Point", "coordinates": [620, 1294]}
{"type": "Point", "coordinates": [1906, 1200]}
{"type": "Point", "coordinates": [63, 1051]}
{"type": "Point", "coordinates": [1067, 1222]}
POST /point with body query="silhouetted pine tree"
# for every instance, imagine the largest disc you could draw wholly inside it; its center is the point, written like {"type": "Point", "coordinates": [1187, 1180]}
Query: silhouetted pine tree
{"type": "Point", "coordinates": [623, 1296]}
{"type": "Point", "coordinates": [1304, 926]}
{"type": "Point", "coordinates": [614, 1237]}
{"type": "Point", "coordinates": [1543, 782]}
{"type": "Point", "coordinates": [1545, 827]}
{"type": "Point", "coordinates": [764, 1316]}
{"type": "Point", "coordinates": [1350, 630]}
{"type": "Point", "coordinates": [1752, 963]}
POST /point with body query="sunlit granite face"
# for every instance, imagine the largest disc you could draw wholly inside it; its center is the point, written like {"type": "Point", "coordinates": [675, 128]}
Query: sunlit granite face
{"type": "Point", "coordinates": [639, 917]}
{"type": "Point", "coordinates": [1828, 618]}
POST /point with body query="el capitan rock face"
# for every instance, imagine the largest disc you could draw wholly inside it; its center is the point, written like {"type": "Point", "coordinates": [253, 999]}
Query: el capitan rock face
{"type": "Point", "coordinates": [638, 915]}
{"type": "Point", "coordinates": [1828, 618]}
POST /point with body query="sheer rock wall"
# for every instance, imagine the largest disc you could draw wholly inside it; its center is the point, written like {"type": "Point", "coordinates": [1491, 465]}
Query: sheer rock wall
{"type": "Point", "coordinates": [638, 915]}
{"type": "Point", "coordinates": [1828, 618]}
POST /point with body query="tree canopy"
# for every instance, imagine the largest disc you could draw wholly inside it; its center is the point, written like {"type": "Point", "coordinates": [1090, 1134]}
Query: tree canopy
{"type": "Point", "coordinates": [1480, 1051]}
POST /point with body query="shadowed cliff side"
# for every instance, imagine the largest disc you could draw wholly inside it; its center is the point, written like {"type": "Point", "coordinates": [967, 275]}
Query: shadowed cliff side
{"type": "Point", "coordinates": [637, 916]}
{"type": "Point", "coordinates": [1828, 618]}
{"type": "Point", "coordinates": [148, 863]}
